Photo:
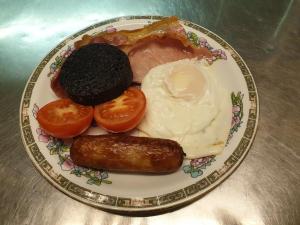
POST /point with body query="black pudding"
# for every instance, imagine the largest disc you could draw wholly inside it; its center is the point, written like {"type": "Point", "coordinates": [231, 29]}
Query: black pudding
{"type": "Point", "coordinates": [95, 73]}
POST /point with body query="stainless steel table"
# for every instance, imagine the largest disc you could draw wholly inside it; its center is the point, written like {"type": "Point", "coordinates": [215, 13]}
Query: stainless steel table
{"type": "Point", "coordinates": [265, 189]}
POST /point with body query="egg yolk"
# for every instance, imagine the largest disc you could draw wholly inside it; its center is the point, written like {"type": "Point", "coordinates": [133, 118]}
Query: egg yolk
{"type": "Point", "coordinates": [186, 82]}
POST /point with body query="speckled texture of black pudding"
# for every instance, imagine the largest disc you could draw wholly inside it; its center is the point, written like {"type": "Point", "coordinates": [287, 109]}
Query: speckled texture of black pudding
{"type": "Point", "coordinates": [95, 73]}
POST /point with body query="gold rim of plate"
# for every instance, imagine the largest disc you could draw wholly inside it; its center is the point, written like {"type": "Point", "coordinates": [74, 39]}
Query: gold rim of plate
{"type": "Point", "coordinates": [155, 203]}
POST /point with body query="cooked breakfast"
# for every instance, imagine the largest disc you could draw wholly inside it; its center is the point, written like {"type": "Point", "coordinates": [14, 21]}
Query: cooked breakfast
{"type": "Point", "coordinates": [95, 73]}
{"type": "Point", "coordinates": [125, 153]}
{"type": "Point", "coordinates": [180, 106]}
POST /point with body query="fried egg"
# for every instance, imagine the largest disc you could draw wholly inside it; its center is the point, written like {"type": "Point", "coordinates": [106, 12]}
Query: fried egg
{"type": "Point", "coordinates": [186, 103]}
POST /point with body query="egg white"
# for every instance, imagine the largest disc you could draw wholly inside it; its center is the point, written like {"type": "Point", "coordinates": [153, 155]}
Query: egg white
{"type": "Point", "coordinates": [200, 125]}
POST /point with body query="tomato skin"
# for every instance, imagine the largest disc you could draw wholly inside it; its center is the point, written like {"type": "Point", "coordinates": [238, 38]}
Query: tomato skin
{"type": "Point", "coordinates": [65, 119]}
{"type": "Point", "coordinates": [123, 113]}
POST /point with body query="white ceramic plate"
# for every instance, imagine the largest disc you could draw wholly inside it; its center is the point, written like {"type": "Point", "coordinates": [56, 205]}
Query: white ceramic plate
{"type": "Point", "coordinates": [127, 192]}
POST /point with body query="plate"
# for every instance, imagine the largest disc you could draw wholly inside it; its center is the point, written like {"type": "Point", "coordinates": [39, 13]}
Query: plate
{"type": "Point", "coordinates": [132, 192]}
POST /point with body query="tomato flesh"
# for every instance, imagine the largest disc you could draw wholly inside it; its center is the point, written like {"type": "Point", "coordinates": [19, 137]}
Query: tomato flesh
{"type": "Point", "coordinates": [123, 113]}
{"type": "Point", "coordinates": [65, 119]}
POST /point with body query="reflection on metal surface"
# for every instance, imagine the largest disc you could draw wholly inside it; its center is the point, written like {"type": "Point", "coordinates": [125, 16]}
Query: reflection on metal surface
{"type": "Point", "coordinates": [282, 19]}
{"type": "Point", "coordinates": [33, 29]}
{"type": "Point", "coordinates": [264, 190]}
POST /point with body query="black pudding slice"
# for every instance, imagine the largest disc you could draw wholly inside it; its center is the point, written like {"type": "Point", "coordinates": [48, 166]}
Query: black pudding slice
{"type": "Point", "coordinates": [95, 73]}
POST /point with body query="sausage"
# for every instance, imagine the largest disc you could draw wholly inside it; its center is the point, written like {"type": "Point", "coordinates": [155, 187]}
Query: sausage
{"type": "Point", "coordinates": [122, 153]}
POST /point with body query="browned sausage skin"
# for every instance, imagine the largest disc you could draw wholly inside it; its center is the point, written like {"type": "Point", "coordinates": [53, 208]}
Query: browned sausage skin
{"type": "Point", "coordinates": [124, 153]}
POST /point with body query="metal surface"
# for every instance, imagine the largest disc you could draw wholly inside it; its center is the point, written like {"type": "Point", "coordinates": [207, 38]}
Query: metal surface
{"type": "Point", "coordinates": [263, 190]}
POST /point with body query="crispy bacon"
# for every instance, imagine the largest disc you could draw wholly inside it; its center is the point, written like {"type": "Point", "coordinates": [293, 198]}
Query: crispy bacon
{"type": "Point", "coordinates": [127, 39]}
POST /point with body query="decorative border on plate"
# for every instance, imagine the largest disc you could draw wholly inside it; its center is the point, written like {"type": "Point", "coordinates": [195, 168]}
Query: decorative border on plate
{"type": "Point", "coordinates": [156, 202]}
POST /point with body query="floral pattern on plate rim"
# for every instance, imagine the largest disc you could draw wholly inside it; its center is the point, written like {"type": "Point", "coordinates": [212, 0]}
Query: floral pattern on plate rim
{"type": "Point", "coordinates": [196, 166]}
{"type": "Point", "coordinates": [62, 150]}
